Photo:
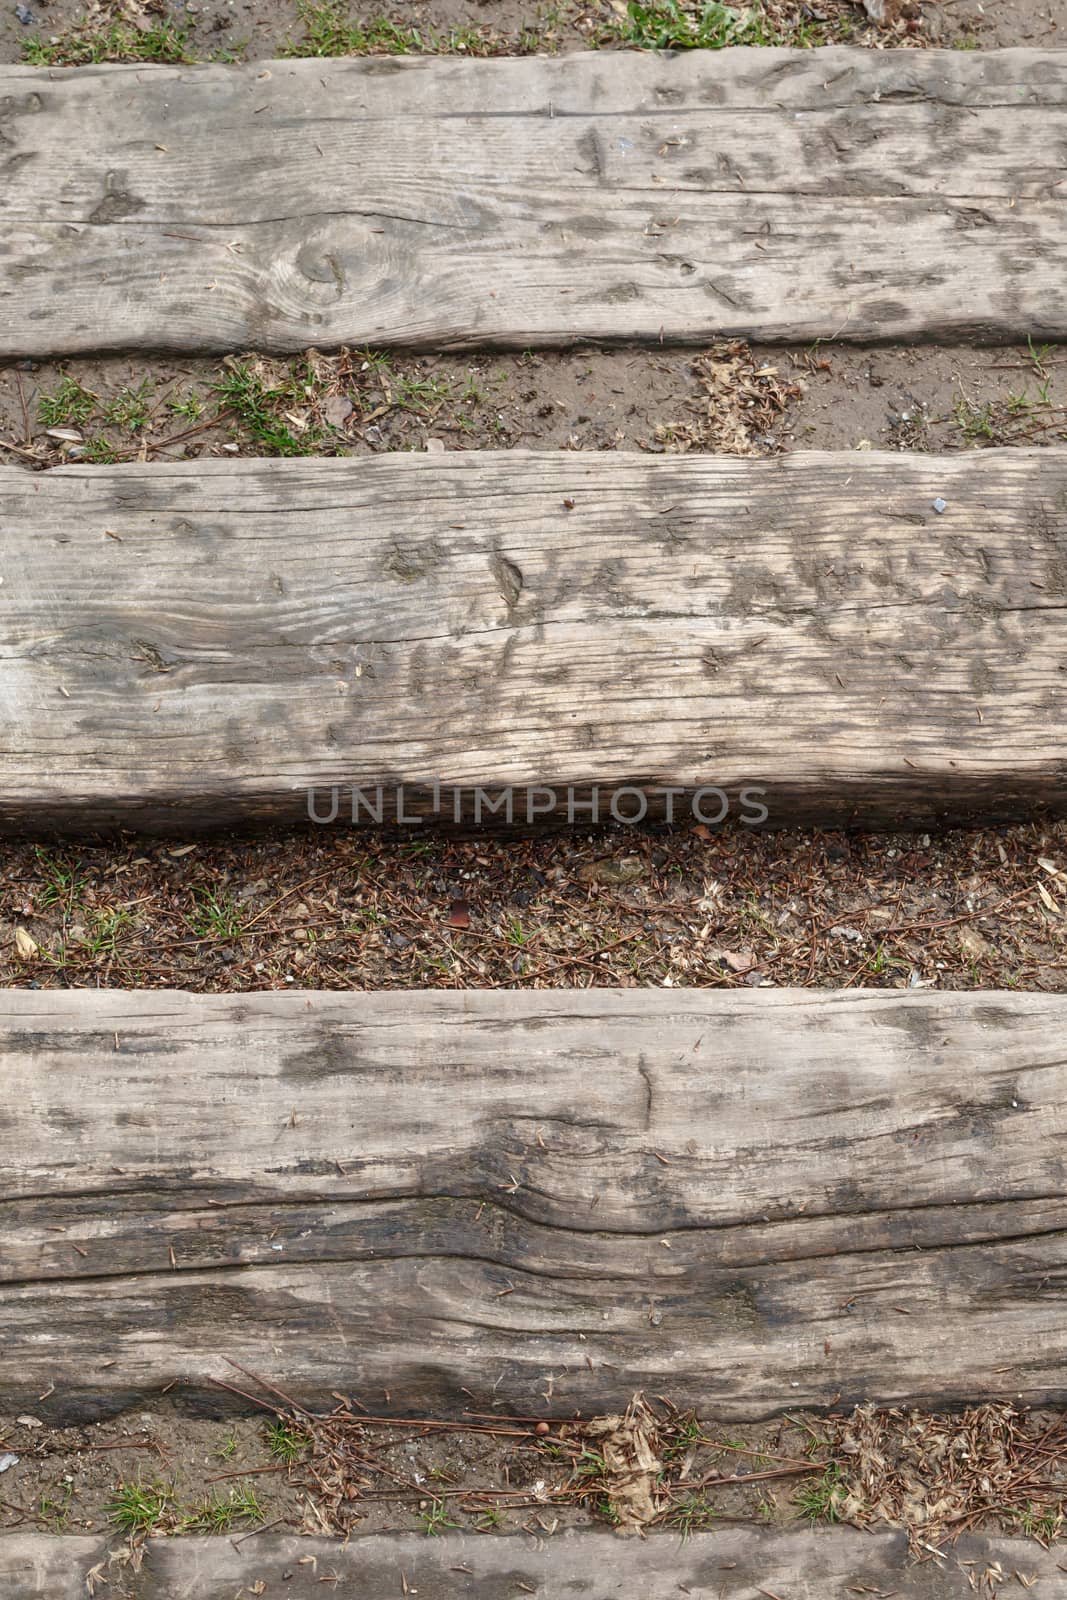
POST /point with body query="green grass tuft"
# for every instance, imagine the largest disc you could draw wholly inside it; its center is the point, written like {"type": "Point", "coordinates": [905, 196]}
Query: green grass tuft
{"type": "Point", "coordinates": [286, 1441]}
{"type": "Point", "coordinates": [819, 1498]}
{"type": "Point", "coordinates": [130, 409]}
{"type": "Point", "coordinates": [106, 929]}
{"type": "Point", "coordinates": [116, 41]}
{"type": "Point", "coordinates": [187, 404]}
{"type": "Point", "coordinates": [221, 1513]}
{"type": "Point", "coordinates": [64, 882]}
{"type": "Point", "coordinates": [100, 451]}
{"type": "Point", "coordinates": [216, 915]}
{"type": "Point", "coordinates": [68, 405]}
{"type": "Point", "coordinates": [690, 1515]}
{"type": "Point", "coordinates": [331, 30]}
{"type": "Point", "coordinates": [668, 25]}
{"type": "Point", "coordinates": [1044, 1525]}
{"type": "Point", "coordinates": [139, 1507]}
{"type": "Point", "coordinates": [260, 407]}
{"type": "Point", "coordinates": [434, 1518]}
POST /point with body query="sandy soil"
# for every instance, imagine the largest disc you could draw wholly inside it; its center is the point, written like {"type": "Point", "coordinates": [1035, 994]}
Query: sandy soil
{"type": "Point", "coordinates": [251, 29]}
{"type": "Point", "coordinates": [931, 397]}
{"type": "Point", "coordinates": [833, 397]}
{"type": "Point", "coordinates": [67, 1479]}
{"type": "Point", "coordinates": [928, 1472]}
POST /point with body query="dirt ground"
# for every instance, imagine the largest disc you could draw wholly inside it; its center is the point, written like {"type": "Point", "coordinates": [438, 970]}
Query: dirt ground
{"type": "Point", "coordinates": [931, 397]}
{"type": "Point", "coordinates": [68, 1479]}
{"type": "Point", "coordinates": [990, 1468]}
{"type": "Point", "coordinates": [826, 397]}
{"type": "Point", "coordinates": [327, 909]}
{"type": "Point", "coordinates": [994, 24]}
{"type": "Point", "coordinates": [257, 29]}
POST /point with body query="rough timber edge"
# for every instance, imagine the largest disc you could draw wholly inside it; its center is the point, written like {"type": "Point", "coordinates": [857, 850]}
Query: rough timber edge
{"type": "Point", "coordinates": [734, 1563]}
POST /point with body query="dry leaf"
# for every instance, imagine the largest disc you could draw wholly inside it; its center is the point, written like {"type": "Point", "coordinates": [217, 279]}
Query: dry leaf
{"type": "Point", "coordinates": [1053, 905]}
{"type": "Point", "coordinates": [631, 1463]}
{"type": "Point", "coordinates": [337, 409]}
{"type": "Point", "coordinates": [883, 12]}
{"type": "Point", "coordinates": [460, 915]}
{"type": "Point", "coordinates": [607, 870]}
{"type": "Point", "coordinates": [26, 947]}
{"type": "Point", "coordinates": [743, 405]}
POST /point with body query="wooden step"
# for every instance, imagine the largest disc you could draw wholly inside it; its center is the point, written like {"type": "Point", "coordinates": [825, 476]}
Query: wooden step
{"type": "Point", "coordinates": [747, 1201]}
{"type": "Point", "coordinates": [209, 642]}
{"type": "Point", "coordinates": [839, 193]}
{"type": "Point", "coordinates": [741, 1563]}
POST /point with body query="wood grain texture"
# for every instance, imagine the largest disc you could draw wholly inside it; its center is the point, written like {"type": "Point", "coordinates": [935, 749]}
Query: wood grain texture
{"type": "Point", "coordinates": [34, 1565]}
{"type": "Point", "coordinates": [771, 193]}
{"type": "Point", "coordinates": [747, 1201]}
{"type": "Point", "coordinates": [737, 1563]}
{"type": "Point", "coordinates": [199, 644]}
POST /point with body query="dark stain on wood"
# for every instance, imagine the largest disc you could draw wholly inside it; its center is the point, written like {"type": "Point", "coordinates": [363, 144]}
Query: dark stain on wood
{"type": "Point", "coordinates": [345, 1195]}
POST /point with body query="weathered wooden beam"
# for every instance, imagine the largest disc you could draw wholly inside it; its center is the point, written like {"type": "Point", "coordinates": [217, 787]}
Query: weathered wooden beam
{"type": "Point", "coordinates": [785, 194]}
{"type": "Point", "coordinates": [733, 1563]}
{"type": "Point", "coordinates": [747, 1201]}
{"type": "Point", "coordinates": [186, 646]}
{"type": "Point", "coordinates": [57, 1566]}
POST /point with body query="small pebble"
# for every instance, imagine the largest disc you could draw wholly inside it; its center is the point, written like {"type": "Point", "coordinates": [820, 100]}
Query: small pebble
{"type": "Point", "coordinates": [24, 15]}
{"type": "Point", "coordinates": [542, 1428]}
{"type": "Point", "coordinates": [940, 505]}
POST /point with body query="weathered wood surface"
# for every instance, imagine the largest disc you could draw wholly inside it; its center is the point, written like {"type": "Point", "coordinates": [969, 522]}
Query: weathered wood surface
{"type": "Point", "coordinates": [738, 1563]}
{"type": "Point", "coordinates": [195, 644]}
{"type": "Point", "coordinates": [789, 195]}
{"type": "Point", "coordinates": [747, 1201]}
{"type": "Point", "coordinates": [36, 1565]}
